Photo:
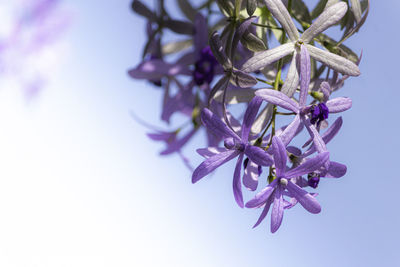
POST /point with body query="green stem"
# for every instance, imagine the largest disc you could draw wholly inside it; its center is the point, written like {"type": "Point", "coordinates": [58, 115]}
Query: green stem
{"type": "Point", "coordinates": [285, 113]}
{"type": "Point", "coordinates": [266, 26]}
{"type": "Point", "coordinates": [265, 81]}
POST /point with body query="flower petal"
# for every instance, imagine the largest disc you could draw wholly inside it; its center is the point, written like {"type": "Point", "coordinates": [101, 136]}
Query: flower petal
{"type": "Point", "coordinates": [235, 95]}
{"type": "Point", "coordinates": [336, 170]}
{"type": "Point", "coordinates": [212, 163]}
{"type": "Point", "coordinates": [210, 151]}
{"type": "Point", "coordinates": [250, 115]}
{"type": "Point", "coordinates": [329, 17]}
{"type": "Point", "coordinates": [304, 198]}
{"type": "Point", "coordinates": [201, 33]}
{"type": "Point", "coordinates": [156, 69]}
{"type": "Point", "coordinates": [327, 136]}
{"type": "Point", "coordinates": [178, 143]}
{"type": "Point", "coordinates": [264, 212]}
{"type": "Point", "coordinates": [279, 11]}
{"type": "Point", "coordinates": [279, 99]}
{"type": "Point", "coordinates": [277, 210]}
{"type": "Point", "coordinates": [338, 63]}
{"type": "Point", "coordinates": [250, 176]}
{"type": "Point", "coordinates": [264, 58]}
{"type": "Point", "coordinates": [317, 139]}
{"type": "Point", "coordinates": [308, 166]}
{"type": "Point", "coordinates": [240, 31]}
{"type": "Point", "coordinates": [215, 124]}
{"type": "Point", "coordinates": [261, 197]}
{"type": "Point", "coordinates": [237, 185]}
{"type": "Point", "coordinates": [291, 130]}
{"type": "Point", "coordinates": [280, 156]}
{"type": "Point", "coordinates": [242, 79]}
{"type": "Point", "coordinates": [218, 51]}
{"type": "Point", "coordinates": [143, 10]}
{"type": "Point", "coordinates": [356, 8]}
{"type": "Point", "coordinates": [292, 78]}
{"type": "Point", "coordinates": [262, 119]}
{"type": "Point", "coordinates": [339, 104]}
{"type": "Point", "coordinates": [305, 75]}
{"type": "Point", "coordinates": [258, 155]}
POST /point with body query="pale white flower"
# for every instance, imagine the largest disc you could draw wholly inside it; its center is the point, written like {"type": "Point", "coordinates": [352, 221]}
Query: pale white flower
{"type": "Point", "coordinates": [329, 17]}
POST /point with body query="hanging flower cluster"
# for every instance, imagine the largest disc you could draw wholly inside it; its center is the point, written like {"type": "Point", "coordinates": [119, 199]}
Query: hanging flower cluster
{"type": "Point", "coordinates": [226, 75]}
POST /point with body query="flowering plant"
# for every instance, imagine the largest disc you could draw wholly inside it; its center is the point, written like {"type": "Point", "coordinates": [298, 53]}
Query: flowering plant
{"type": "Point", "coordinates": [226, 76]}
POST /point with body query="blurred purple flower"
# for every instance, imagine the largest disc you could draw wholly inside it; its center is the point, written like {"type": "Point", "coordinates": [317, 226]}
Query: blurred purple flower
{"type": "Point", "coordinates": [33, 28]}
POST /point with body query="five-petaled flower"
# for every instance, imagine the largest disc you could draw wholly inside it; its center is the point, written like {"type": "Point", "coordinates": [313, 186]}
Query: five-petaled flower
{"type": "Point", "coordinates": [274, 192]}
{"type": "Point", "coordinates": [234, 145]}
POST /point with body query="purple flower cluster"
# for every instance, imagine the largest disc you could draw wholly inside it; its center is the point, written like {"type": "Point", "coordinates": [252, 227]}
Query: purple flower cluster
{"type": "Point", "coordinates": [212, 72]}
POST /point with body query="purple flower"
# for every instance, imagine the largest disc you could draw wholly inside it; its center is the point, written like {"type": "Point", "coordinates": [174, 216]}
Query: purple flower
{"type": "Point", "coordinates": [204, 67]}
{"type": "Point", "coordinates": [251, 173]}
{"type": "Point", "coordinates": [307, 114]}
{"type": "Point", "coordinates": [274, 192]}
{"type": "Point", "coordinates": [174, 144]}
{"type": "Point", "coordinates": [201, 57]}
{"type": "Point", "coordinates": [170, 138]}
{"type": "Point", "coordinates": [234, 145]}
{"type": "Point", "coordinates": [329, 17]}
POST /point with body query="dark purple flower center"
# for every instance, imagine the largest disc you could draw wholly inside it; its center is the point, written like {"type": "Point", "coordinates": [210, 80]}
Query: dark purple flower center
{"type": "Point", "coordinates": [204, 67]}
{"type": "Point", "coordinates": [313, 180]}
{"type": "Point", "coordinates": [319, 113]}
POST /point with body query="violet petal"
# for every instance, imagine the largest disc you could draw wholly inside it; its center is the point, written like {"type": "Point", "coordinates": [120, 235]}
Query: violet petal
{"type": "Point", "coordinates": [237, 185]}
{"type": "Point", "coordinates": [304, 198]}
{"type": "Point", "coordinates": [309, 165]}
{"type": "Point", "coordinates": [258, 155]}
{"type": "Point", "coordinates": [277, 210]}
{"type": "Point", "coordinates": [262, 196]}
{"type": "Point", "coordinates": [279, 99]}
{"type": "Point", "coordinates": [280, 156]}
{"type": "Point", "coordinates": [212, 163]}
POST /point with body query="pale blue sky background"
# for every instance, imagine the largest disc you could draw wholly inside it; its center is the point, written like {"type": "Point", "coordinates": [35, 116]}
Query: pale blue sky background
{"type": "Point", "coordinates": [81, 185]}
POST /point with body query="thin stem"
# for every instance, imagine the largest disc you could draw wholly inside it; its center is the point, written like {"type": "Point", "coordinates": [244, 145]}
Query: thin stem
{"type": "Point", "coordinates": [265, 81]}
{"type": "Point", "coordinates": [285, 113]}
{"type": "Point", "coordinates": [266, 26]}
{"type": "Point", "coordinates": [224, 106]}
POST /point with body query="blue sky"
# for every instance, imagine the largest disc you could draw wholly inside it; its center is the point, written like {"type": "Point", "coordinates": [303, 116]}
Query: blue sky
{"type": "Point", "coordinates": [81, 184]}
